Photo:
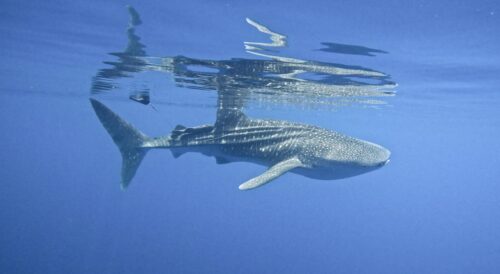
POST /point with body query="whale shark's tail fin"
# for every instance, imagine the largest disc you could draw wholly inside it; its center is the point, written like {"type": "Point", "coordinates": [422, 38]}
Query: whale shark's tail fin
{"type": "Point", "coordinates": [129, 140]}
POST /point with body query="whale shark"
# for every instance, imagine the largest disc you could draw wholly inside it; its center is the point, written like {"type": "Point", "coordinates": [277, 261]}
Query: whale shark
{"type": "Point", "coordinates": [282, 146]}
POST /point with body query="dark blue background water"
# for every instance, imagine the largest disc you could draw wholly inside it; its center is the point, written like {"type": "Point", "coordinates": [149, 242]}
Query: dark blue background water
{"type": "Point", "coordinates": [434, 209]}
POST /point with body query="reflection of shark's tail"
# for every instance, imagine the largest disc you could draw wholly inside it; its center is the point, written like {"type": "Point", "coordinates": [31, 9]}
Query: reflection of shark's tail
{"type": "Point", "coordinates": [129, 140]}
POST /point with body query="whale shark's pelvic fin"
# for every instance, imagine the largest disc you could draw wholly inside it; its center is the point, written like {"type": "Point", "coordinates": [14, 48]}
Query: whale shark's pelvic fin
{"type": "Point", "coordinates": [129, 140]}
{"type": "Point", "coordinates": [272, 173]}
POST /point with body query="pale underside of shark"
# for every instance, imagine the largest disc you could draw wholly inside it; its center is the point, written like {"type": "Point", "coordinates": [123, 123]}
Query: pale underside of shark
{"type": "Point", "coordinates": [282, 146]}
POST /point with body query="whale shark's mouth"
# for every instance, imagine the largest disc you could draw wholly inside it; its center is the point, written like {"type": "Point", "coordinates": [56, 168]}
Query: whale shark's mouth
{"type": "Point", "coordinates": [381, 164]}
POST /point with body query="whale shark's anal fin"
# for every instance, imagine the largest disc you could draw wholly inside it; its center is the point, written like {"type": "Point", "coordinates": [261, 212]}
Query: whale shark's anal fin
{"type": "Point", "coordinates": [272, 173]}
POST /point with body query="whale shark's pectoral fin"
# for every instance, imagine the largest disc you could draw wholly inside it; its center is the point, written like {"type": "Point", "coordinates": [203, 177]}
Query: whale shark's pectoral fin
{"type": "Point", "coordinates": [271, 174]}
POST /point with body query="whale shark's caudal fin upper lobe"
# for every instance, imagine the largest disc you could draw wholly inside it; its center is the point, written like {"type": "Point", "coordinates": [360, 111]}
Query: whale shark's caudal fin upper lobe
{"type": "Point", "coordinates": [129, 140]}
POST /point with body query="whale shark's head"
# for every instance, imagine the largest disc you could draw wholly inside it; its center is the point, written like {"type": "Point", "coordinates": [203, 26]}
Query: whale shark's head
{"type": "Point", "coordinates": [346, 157]}
{"type": "Point", "coordinates": [369, 155]}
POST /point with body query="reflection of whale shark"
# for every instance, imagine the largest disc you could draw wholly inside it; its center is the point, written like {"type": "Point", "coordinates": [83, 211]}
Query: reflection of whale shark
{"type": "Point", "coordinates": [283, 146]}
{"type": "Point", "coordinates": [272, 79]}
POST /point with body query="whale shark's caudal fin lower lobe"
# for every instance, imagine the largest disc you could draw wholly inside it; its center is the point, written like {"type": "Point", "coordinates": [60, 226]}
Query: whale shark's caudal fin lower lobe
{"type": "Point", "coordinates": [129, 140]}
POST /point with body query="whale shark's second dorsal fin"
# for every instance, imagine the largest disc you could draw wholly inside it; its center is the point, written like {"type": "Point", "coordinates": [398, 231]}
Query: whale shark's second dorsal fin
{"type": "Point", "coordinates": [178, 130]}
{"type": "Point", "coordinates": [272, 173]}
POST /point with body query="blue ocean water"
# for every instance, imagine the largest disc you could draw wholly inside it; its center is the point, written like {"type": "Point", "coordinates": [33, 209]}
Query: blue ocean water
{"type": "Point", "coordinates": [435, 208]}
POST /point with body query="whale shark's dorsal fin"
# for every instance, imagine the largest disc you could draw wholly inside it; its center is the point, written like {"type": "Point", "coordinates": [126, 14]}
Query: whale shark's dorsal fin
{"type": "Point", "coordinates": [229, 110]}
{"type": "Point", "coordinates": [229, 119]}
{"type": "Point", "coordinates": [272, 173]}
